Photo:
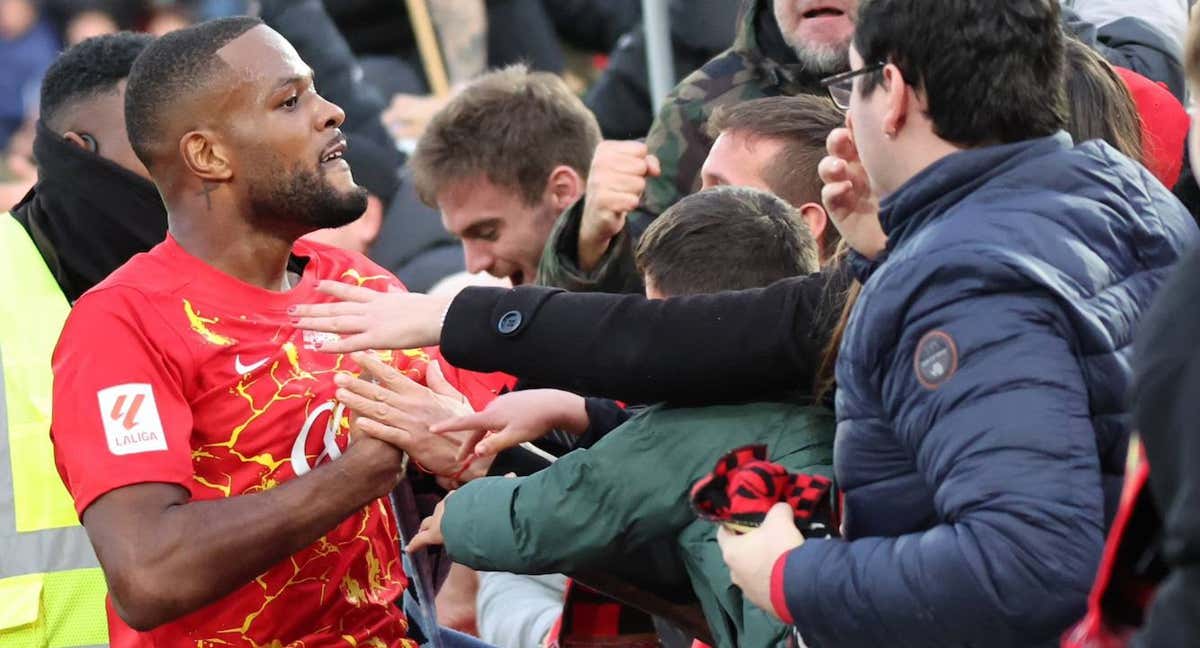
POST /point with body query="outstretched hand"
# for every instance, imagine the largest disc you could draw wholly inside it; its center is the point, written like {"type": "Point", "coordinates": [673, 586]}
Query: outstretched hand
{"type": "Point", "coordinates": [370, 319]}
{"type": "Point", "coordinates": [515, 418]}
{"type": "Point", "coordinates": [430, 533]}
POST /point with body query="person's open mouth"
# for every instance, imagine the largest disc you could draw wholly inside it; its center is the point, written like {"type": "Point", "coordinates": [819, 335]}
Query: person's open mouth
{"type": "Point", "coordinates": [823, 12]}
{"type": "Point", "coordinates": [333, 154]}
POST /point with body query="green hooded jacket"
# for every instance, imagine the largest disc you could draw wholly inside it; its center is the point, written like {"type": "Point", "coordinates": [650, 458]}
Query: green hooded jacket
{"type": "Point", "coordinates": [622, 507]}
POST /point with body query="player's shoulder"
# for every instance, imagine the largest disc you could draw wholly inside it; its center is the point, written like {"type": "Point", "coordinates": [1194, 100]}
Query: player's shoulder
{"type": "Point", "coordinates": [148, 274]}
{"type": "Point", "coordinates": [142, 284]}
{"type": "Point", "coordinates": [339, 264]}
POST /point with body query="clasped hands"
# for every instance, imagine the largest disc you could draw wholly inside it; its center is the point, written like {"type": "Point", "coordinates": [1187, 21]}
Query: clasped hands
{"type": "Point", "coordinates": [439, 430]}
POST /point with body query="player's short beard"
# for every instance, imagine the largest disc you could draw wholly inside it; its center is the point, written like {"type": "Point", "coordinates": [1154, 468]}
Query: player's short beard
{"type": "Point", "coordinates": [305, 197]}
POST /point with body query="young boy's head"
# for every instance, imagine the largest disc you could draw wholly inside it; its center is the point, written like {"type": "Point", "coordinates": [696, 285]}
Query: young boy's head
{"type": "Point", "coordinates": [727, 238]}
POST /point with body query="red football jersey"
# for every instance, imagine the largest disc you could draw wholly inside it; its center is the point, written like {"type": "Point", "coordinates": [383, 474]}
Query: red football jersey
{"type": "Point", "coordinates": [171, 371]}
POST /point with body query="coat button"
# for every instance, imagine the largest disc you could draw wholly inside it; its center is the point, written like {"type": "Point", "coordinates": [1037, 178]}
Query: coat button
{"type": "Point", "coordinates": [509, 322]}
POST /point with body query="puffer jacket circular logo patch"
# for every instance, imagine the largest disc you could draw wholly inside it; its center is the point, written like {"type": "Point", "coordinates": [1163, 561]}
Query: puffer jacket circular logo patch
{"type": "Point", "coordinates": [936, 359]}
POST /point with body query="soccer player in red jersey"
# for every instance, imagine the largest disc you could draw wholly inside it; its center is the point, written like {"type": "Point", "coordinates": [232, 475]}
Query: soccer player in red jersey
{"type": "Point", "coordinates": [195, 427]}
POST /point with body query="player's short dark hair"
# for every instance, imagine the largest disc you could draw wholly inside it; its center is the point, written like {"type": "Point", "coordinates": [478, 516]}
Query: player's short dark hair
{"type": "Point", "coordinates": [726, 238]}
{"type": "Point", "coordinates": [992, 71]}
{"type": "Point", "coordinates": [169, 72]}
{"type": "Point", "coordinates": [92, 67]}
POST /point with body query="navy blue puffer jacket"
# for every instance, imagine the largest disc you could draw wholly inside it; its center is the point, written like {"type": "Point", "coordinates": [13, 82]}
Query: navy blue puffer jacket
{"type": "Point", "coordinates": [981, 386]}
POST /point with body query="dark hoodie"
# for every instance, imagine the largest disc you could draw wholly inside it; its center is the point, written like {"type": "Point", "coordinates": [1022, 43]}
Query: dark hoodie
{"type": "Point", "coordinates": [87, 215]}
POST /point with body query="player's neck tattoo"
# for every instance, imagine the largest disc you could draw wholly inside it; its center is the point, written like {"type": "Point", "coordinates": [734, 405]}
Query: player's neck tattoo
{"type": "Point", "coordinates": [209, 188]}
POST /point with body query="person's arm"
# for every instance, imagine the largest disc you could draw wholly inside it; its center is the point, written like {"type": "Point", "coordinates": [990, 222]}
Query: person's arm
{"type": "Point", "coordinates": [1007, 445]}
{"type": "Point", "coordinates": [613, 270]}
{"type": "Point", "coordinates": [516, 418]}
{"type": "Point", "coordinates": [165, 556]}
{"type": "Point", "coordinates": [676, 148]}
{"type": "Point", "coordinates": [563, 519]}
{"type": "Point", "coordinates": [591, 248]}
{"type": "Point", "coordinates": [715, 348]}
{"type": "Point", "coordinates": [613, 507]}
{"type": "Point", "coordinates": [679, 139]}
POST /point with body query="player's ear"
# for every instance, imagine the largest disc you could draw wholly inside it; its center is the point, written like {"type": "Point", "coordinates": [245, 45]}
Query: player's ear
{"type": "Point", "coordinates": [205, 156]}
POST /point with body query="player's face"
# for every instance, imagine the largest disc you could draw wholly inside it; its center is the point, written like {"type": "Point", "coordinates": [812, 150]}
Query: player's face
{"type": "Point", "coordinates": [286, 138]}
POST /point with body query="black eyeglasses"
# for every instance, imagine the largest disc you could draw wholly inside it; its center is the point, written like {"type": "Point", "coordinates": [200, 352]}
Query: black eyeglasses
{"type": "Point", "coordinates": [841, 86]}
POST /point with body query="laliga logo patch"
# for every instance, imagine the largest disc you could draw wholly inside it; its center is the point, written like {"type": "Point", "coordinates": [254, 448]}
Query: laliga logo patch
{"type": "Point", "coordinates": [131, 421]}
{"type": "Point", "coordinates": [936, 359]}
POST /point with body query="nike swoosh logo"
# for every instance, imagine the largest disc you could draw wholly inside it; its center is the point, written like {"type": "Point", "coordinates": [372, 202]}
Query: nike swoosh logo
{"type": "Point", "coordinates": [245, 369]}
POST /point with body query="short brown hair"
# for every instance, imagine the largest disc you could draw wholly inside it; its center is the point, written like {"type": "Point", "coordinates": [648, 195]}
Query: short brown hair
{"type": "Point", "coordinates": [803, 123]}
{"type": "Point", "coordinates": [512, 126]}
{"type": "Point", "coordinates": [726, 238]}
{"type": "Point", "coordinates": [1101, 105]}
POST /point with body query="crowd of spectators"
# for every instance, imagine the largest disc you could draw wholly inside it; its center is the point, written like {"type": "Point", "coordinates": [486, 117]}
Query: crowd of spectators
{"type": "Point", "coordinates": [923, 269]}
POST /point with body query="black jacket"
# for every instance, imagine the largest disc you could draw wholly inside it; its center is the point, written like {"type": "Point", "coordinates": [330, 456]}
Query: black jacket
{"type": "Point", "coordinates": [718, 348]}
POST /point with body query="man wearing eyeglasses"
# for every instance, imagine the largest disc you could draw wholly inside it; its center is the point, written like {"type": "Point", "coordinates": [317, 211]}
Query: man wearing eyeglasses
{"type": "Point", "coordinates": [982, 424]}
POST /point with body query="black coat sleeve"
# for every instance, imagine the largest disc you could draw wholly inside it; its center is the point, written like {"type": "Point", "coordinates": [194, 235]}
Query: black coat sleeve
{"type": "Point", "coordinates": [604, 416]}
{"type": "Point", "coordinates": [724, 347]}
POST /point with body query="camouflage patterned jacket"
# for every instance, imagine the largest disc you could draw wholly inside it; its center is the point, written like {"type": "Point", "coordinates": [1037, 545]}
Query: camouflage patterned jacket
{"type": "Point", "coordinates": [759, 64]}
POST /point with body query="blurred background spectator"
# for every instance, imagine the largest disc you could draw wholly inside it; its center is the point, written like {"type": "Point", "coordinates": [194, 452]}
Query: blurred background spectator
{"type": "Point", "coordinates": [28, 43]}
{"type": "Point", "coordinates": [368, 59]}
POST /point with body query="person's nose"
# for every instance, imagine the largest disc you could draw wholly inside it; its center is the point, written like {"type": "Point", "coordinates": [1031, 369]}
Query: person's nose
{"type": "Point", "coordinates": [329, 114]}
{"type": "Point", "coordinates": [477, 257]}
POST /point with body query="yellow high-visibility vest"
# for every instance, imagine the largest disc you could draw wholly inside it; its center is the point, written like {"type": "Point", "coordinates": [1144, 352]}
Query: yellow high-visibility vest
{"type": "Point", "coordinates": [51, 588]}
